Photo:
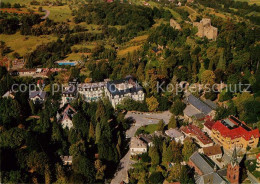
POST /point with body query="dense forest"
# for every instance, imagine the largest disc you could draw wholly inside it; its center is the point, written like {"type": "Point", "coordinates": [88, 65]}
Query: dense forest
{"type": "Point", "coordinates": [30, 148]}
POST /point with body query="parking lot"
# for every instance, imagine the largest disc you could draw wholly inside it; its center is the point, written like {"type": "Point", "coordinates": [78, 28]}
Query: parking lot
{"type": "Point", "coordinates": [146, 118]}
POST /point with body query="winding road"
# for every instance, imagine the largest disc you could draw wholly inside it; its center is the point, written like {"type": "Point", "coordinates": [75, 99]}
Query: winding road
{"type": "Point", "coordinates": [141, 119]}
{"type": "Point", "coordinates": [47, 13]}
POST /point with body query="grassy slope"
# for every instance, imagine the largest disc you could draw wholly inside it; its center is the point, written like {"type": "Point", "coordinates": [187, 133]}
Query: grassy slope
{"type": "Point", "coordinates": [251, 1]}
{"type": "Point", "coordinates": [23, 44]}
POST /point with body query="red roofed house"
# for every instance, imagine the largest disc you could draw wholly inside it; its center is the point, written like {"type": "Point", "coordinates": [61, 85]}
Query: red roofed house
{"type": "Point", "coordinates": [195, 132]}
{"type": "Point", "coordinates": [232, 132]}
{"type": "Point", "coordinates": [208, 125]}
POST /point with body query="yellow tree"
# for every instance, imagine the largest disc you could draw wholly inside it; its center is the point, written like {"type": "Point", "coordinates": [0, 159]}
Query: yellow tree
{"type": "Point", "coordinates": [152, 103]}
{"type": "Point", "coordinates": [208, 77]}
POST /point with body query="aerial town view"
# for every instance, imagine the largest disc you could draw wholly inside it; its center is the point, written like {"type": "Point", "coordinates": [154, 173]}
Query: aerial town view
{"type": "Point", "coordinates": [129, 91]}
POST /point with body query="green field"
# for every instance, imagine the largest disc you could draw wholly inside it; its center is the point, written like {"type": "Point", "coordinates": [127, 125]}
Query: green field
{"type": "Point", "coordinates": [148, 128]}
{"type": "Point", "coordinates": [23, 44]}
{"type": "Point", "coordinates": [257, 2]}
{"type": "Point", "coordinates": [127, 50]}
{"type": "Point", "coordinates": [59, 13]}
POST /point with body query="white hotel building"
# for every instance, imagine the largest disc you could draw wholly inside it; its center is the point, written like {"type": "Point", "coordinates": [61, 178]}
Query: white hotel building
{"type": "Point", "coordinates": [118, 90]}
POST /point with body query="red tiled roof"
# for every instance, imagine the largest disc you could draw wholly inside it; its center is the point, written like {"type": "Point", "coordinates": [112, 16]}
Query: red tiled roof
{"type": "Point", "coordinates": [235, 132]}
{"type": "Point", "coordinates": [195, 131]}
{"type": "Point", "coordinates": [209, 123]}
{"type": "Point", "coordinates": [258, 156]}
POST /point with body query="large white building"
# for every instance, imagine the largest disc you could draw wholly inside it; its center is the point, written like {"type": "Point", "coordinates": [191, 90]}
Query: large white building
{"type": "Point", "coordinates": [118, 90]}
{"type": "Point", "coordinates": [69, 93]}
{"type": "Point", "coordinates": [92, 91]}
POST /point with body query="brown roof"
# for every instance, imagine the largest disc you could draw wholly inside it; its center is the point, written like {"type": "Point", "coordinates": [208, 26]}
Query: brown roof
{"type": "Point", "coordinates": [212, 150]}
{"type": "Point", "coordinates": [209, 124]}
{"type": "Point", "coordinates": [195, 131]}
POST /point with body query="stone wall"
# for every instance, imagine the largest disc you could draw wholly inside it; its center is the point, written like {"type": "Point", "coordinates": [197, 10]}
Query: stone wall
{"type": "Point", "coordinates": [206, 29]}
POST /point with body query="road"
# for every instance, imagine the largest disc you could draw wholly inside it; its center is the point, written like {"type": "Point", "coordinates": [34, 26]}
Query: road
{"type": "Point", "coordinates": [252, 178]}
{"type": "Point", "coordinates": [141, 119]}
{"type": "Point", "coordinates": [47, 13]}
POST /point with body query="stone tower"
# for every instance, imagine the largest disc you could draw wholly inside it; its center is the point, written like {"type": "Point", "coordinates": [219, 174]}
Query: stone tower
{"type": "Point", "coordinates": [233, 169]}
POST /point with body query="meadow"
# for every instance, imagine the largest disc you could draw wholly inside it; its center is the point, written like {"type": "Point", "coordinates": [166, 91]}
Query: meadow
{"type": "Point", "coordinates": [23, 44]}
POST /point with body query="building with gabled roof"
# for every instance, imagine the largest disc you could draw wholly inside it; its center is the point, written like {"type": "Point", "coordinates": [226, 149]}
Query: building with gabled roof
{"type": "Point", "coordinates": [9, 94]}
{"type": "Point", "coordinates": [213, 152]}
{"type": "Point", "coordinates": [207, 127]}
{"type": "Point", "coordinates": [147, 139]}
{"type": "Point", "coordinates": [37, 97]}
{"type": "Point", "coordinates": [65, 117]}
{"type": "Point", "coordinates": [207, 171]}
{"type": "Point", "coordinates": [175, 134]}
{"type": "Point", "coordinates": [193, 131]}
{"type": "Point", "coordinates": [118, 90]}
{"type": "Point", "coordinates": [232, 132]}
{"type": "Point", "coordinates": [198, 109]}
{"type": "Point", "coordinates": [137, 146]}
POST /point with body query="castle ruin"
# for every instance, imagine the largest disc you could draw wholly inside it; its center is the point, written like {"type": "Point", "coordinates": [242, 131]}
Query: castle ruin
{"type": "Point", "coordinates": [206, 29]}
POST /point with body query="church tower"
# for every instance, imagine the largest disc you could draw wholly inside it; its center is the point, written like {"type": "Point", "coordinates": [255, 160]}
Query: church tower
{"type": "Point", "coordinates": [233, 169]}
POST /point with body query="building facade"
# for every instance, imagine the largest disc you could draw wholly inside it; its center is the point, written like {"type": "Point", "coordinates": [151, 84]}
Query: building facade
{"type": "Point", "coordinates": [137, 146]}
{"type": "Point", "coordinates": [175, 134]}
{"type": "Point", "coordinates": [205, 29]}
{"type": "Point", "coordinates": [92, 92]}
{"type": "Point", "coordinates": [233, 169]}
{"type": "Point", "coordinates": [194, 132]}
{"type": "Point", "coordinates": [65, 117]}
{"type": "Point", "coordinates": [119, 90]}
{"type": "Point", "coordinates": [231, 132]}
{"type": "Point", "coordinates": [213, 152]}
{"type": "Point", "coordinates": [69, 93]}
{"type": "Point", "coordinates": [197, 109]}
{"type": "Point", "coordinates": [38, 97]}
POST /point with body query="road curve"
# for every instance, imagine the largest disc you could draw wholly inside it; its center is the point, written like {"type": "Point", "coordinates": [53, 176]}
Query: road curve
{"type": "Point", "coordinates": [47, 13]}
{"type": "Point", "coordinates": [141, 119]}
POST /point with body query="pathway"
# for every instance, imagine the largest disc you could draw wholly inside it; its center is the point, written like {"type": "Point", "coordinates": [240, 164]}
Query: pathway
{"type": "Point", "coordinates": [141, 119]}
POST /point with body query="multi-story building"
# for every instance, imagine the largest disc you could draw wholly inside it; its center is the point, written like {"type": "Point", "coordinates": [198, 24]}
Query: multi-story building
{"type": "Point", "coordinates": [193, 131]}
{"type": "Point", "coordinates": [231, 132]}
{"type": "Point", "coordinates": [65, 116]}
{"type": "Point", "coordinates": [92, 91]}
{"type": "Point", "coordinates": [197, 109]}
{"type": "Point", "coordinates": [38, 97]}
{"type": "Point", "coordinates": [213, 152]}
{"type": "Point", "coordinates": [69, 93]}
{"type": "Point", "coordinates": [118, 90]}
{"type": "Point", "coordinates": [137, 146]}
{"type": "Point", "coordinates": [207, 171]}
